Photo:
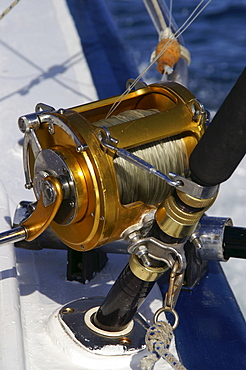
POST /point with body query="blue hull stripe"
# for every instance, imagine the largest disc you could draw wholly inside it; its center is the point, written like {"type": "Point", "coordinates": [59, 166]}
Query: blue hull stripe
{"type": "Point", "coordinates": [212, 333]}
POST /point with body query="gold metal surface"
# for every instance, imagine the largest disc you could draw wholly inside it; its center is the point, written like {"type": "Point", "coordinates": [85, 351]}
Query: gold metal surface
{"type": "Point", "coordinates": [194, 202]}
{"type": "Point", "coordinates": [42, 216]}
{"type": "Point", "coordinates": [175, 103]}
{"type": "Point", "coordinates": [176, 226]}
{"type": "Point", "coordinates": [99, 216]}
{"type": "Point", "coordinates": [143, 272]}
{"type": "Point", "coordinates": [179, 223]}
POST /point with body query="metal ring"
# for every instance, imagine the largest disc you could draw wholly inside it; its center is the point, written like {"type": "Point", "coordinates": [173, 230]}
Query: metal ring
{"type": "Point", "coordinates": [167, 309]}
{"type": "Point", "coordinates": [87, 319]}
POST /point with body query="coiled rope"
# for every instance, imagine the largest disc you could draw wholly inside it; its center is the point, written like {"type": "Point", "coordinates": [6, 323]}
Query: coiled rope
{"type": "Point", "coordinates": [167, 155]}
{"type": "Point", "coordinates": [158, 339]}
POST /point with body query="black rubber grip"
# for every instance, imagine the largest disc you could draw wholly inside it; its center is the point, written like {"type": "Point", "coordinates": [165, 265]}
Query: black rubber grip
{"type": "Point", "coordinates": [234, 242]}
{"type": "Point", "coordinates": [125, 297]}
{"type": "Point", "coordinates": [223, 145]}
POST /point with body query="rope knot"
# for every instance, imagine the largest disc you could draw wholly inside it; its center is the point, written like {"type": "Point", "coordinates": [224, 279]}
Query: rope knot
{"type": "Point", "coordinates": [158, 339]}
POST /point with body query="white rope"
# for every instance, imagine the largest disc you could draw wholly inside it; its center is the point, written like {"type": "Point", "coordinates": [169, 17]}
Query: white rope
{"type": "Point", "coordinates": [158, 339]}
{"type": "Point", "coordinates": [7, 10]}
{"type": "Point", "coordinates": [170, 12]}
{"type": "Point", "coordinates": [159, 13]}
{"type": "Point", "coordinates": [177, 34]}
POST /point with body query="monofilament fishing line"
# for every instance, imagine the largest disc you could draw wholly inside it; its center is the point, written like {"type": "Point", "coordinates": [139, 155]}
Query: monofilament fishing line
{"type": "Point", "coordinates": [167, 155]}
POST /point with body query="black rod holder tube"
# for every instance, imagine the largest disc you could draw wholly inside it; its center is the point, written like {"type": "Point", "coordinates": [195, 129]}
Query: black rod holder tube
{"type": "Point", "coordinates": [234, 242]}
{"type": "Point", "coordinates": [223, 145]}
{"type": "Point", "coordinates": [125, 297]}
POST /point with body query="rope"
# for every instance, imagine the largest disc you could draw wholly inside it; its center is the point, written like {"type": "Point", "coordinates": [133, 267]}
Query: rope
{"type": "Point", "coordinates": [158, 339]}
{"type": "Point", "coordinates": [196, 12]}
{"type": "Point", "coordinates": [7, 10]}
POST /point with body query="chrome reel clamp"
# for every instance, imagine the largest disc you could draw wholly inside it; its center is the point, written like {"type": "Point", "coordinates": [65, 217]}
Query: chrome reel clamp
{"type": "Point", "coordinates": [149, 249]}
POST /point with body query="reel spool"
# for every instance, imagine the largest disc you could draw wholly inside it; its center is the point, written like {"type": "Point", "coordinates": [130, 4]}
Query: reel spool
{"type": "Point", "coordinates": [103, 195]}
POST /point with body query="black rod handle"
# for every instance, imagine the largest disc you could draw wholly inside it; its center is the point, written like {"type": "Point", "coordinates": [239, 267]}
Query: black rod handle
{"type": "Point", "coordinates": [234, 242]}
{"type": "Point", "coordinates": [223, 145]}
{"type": "Point", "coordinates": [125, 297]}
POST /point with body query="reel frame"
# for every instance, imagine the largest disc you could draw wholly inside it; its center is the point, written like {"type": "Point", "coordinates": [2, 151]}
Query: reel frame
{"type": "Point", "coordinates": [65, 144]}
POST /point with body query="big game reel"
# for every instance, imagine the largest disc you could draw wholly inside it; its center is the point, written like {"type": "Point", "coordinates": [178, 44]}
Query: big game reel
{"type": "Point", "coordinates": [97, 193]}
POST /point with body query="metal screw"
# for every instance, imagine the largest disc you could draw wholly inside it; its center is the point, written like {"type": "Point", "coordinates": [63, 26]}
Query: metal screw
{"type": "Point", "coordinates": [146, 261]}
{"type": "Point", "coordinates": [81, 148]}
{"type": "Point", "coordinates": [195, 240]}
{"type": "Point", "coordinates": [29, 186]}
{"type": "Point", "coordinates": [142, 253]}
{"type": "Point", "coordinates": [125, 341]}
{"type": "Point", "coordinates": [49, 194]}
{"type": "Point", "coordinates": [51, 129]}
{"type": "Point", "coordinates": [195, 112]}
{"type": "Point", "coordinates": [68, 310]}
{"type": "Point", "coordinates": [72, 204]}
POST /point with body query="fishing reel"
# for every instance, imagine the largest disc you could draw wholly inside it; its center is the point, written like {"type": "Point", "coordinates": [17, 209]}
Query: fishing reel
{"type": "Point", "coordinates": [99, 178]}
{"type": "Point", "coordinates": [96, 173]}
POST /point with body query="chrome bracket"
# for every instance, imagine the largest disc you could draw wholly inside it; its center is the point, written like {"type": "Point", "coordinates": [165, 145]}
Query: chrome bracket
{"type": "Point", "coordinates": [168, 253]}
{"type": "Point", "coordinates": [42, 107]}
{"type": "Point", "coordinates": [209, 236]}
{"type": "Point", "coordinates": [30, 141]}
{"type": "Point", "coordinates": [195, 190]}
{"type": "Point", "coordinates": [29, 123]}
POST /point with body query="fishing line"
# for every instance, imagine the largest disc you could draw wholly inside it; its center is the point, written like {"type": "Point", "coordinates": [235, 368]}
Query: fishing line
{"type": "Point", "coordinates": [167, 155]}
{"type": "Point", "coordinates": [193, 19]}
{"type": "Point", "coordinates": [196, 12]}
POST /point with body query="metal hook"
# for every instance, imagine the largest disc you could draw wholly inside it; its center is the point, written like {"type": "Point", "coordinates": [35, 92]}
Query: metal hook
{"type": "Point", "coordinates": [175, 285]}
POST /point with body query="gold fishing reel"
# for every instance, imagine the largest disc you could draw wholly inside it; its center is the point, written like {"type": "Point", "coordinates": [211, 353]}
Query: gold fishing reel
{"type": "Point", "coordinates": [71, 157]}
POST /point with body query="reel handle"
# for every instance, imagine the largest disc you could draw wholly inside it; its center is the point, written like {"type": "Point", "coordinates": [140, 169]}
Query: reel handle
{"type": "Point", "coordinates": [13, 235]}
{"type": "Point", "coordinates": [223, 145]}
{"type": "Point", "coordinates": [51, 196]}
